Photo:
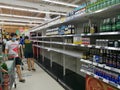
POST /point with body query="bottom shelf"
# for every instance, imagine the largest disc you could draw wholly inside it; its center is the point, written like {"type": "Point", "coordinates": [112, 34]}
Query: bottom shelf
{"type": "Point", "coordinates": [71, 80]}
{"type": "Point", "coordinates": [100, 78]}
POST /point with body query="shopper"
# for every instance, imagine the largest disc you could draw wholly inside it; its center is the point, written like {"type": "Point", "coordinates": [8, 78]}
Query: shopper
{"type": "Point", "coordinates": [28, 51]}
{"type": "Point", "coordinates": [12, 50]}
{"type": "Point", "coordinates": [21, 46]}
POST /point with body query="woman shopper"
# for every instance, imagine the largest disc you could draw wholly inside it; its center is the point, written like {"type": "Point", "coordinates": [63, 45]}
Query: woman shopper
{"type": "Point", "coordinates": [12, 50]}
{"type": "Point", "coordinates": [28, 52]}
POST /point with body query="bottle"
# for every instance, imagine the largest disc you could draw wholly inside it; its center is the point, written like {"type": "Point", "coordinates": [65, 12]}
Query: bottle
{"type": "Point", "coordinates": [104, 25]}
{"type": "Point", "coordinates": [107, 58]}
{"type": "Point", "coordinates": [4, 66]}
{"type": "Point", "coordinates": [101, 56]}
{"type": "Point", "coordinates": [88, 28]}
{"type": "Point", "coordinates": [101, 26]}
{"type": "Point", "coordinates": [92, 29]}
{"type": "Point", "coordinates": [114, 24]}
{"type": "Point", "coordinates": [118, 59]}
{"type": "Point", "coordinates": [108, 25]}
{"type": "Point", "coordinates": [118, 23]}
{"type": "Point", "coordinates": [115, 59]}
{"type": "Point", "coordinates": [111, 58]}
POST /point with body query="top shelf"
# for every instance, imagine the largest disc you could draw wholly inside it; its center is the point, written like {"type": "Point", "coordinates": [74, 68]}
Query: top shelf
{"type": "Point", "coordinates": [99, 14]}
{"type": "Point", "coordinates": [72, 35]}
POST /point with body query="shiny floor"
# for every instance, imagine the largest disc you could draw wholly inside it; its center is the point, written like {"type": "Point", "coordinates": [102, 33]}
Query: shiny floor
{"type": "Point", "coordinates": [38, 80]}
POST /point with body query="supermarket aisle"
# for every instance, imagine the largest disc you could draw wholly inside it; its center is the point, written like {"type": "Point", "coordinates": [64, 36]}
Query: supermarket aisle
{"type": "Point", "coordinates": [38, 80]}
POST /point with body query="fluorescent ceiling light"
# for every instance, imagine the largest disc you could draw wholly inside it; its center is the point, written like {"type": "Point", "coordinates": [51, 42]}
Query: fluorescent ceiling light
{"type": "Point", "coordinates": [19, 20]}
{"type": "Point", "coordinates": [27, 17]}
{"type": "Point", "coordinates": [21, 24]}
{"type": "Point", "coordinates": [61, 3]}
{"type": "Point", "coordinates": [31, 10]}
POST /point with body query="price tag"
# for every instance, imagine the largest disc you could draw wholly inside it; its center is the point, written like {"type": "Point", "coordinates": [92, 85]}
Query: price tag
{"type": "Point", "coordinates": [118, 86]}
{"type": "Point", "coordinates": [82, 45]}
{"type": "Point", "coordinates": [97, 46]}
{"type": "Point", "coordinates": [89, 45]}
{"type": "Point", "coordinates": [88, 73]}
{"type": "Point", "coordinates": [96, 76]}
{"type": "Point", "coordinates": [100, 65]}
{"type": "Point", "coordinates": [89, 34]}
{"type": "Point", "coordinates": [82, 34]}
{"type": "Point", "coordinates": [105, 80]}
{"type": "Point", "coordinates": [106, 67]}
{"type": "Point", "coordinates": [94, 63]}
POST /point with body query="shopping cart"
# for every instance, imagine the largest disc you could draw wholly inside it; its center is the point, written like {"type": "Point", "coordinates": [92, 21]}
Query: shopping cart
{"type": "Point", "coordinates": [11, 73]}
{"type": "Point", "coordinates": [8, 79]}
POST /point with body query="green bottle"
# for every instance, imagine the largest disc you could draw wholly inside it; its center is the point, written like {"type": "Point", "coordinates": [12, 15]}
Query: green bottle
{"type": "Point", "coordinates": [108, 25]}
{"type": "Point", "coordinates": [4, 66]}
{"type": "Point", "coordinates": [118, 23]}
{"type": "Point", "coordinates": [114, 24]}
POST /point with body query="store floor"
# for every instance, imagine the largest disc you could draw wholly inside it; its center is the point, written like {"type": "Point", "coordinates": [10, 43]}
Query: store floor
{"type": "Point", "coordinates": [38, 80]}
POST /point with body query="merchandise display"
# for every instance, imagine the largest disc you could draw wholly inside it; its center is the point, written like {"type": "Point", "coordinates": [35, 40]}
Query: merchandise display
{"type": "Point", "coordinates": [87, 39]}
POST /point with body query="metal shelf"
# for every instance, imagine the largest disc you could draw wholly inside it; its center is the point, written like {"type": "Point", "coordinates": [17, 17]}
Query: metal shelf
{"type": "Point", "coordinates": [100, 78]}
{"type": "Point", "coordinates": [61, 36]}
{"type": "Point", "coordinates": [66, 52]}
{"type": "Point", "coordinates": [110, 10]}
{"type": "Point", "coordinates": [101, 65]}
{"type": "Point", "coordinates": [102, 33]}
{"type": "Point", "coordinates": [81, 45]}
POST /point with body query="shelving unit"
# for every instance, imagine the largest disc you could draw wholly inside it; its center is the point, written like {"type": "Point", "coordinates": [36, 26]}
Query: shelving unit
{"type": "Point", "coordinates": [100, 78]}
{"type": "Point", "coordinates": [67, 57]}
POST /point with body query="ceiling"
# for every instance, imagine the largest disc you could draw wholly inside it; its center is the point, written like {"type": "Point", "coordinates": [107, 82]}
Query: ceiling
{"type": "Point", "coordinates": [29, 17]}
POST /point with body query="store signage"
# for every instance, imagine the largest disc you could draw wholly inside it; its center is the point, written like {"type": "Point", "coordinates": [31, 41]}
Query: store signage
{"type": "Point", "coordinates": [95, 84]}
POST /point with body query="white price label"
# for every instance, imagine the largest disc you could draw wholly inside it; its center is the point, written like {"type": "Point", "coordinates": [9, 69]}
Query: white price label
{"type": "Point", "coordinates": [96, 76]}
{"type": "Point", "coordinates": [82, 34]}
{"type": "Point", "coordinates": [82, 45]}
{"type": "Point", "coordinates": [89, 45]}
{"type": "Point", "coordinates": [97, 46]}
{"type": "Point", "coordinates": [109, 68]}
{"type": "Point", "coordinates": [105, 80]}
{"type": "Point", "coordinates": [88, 73]}
{"type": "Point", "coordinates": [94, 63]}
{"type": "Point", "coordinates": [118, 86]}
{"type": "Point", "coordinates": [89, 34]}
{"type": "Point", "coordinates": [100, 65]}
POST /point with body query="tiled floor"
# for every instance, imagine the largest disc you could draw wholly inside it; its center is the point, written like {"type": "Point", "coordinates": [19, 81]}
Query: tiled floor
{"type": "Point", "coordinates": [38, 80]}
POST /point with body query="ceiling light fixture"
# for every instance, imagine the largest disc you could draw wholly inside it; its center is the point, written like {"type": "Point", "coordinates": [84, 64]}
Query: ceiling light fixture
{"type": "Point", "coordinates": [61, 3]}
{"type": "Point", "coordinates": [27, 17]}
{"type": "Point", "coordinates": [19, 20]}
{"type": "Point", "coordinates": [21, 24]}
{"type": "Point", "coordinates": [31, 10]}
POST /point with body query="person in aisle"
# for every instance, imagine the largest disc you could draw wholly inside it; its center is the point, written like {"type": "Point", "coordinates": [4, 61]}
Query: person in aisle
{"type": "Point", "coordinates": [28, 51]}
{"type": "Point", "coordinates": [12, 51]}
{"type": "Point", "coordinates": [21, 46]}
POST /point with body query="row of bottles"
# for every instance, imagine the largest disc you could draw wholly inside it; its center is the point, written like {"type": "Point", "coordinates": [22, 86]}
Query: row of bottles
{"type": "Point", "coordinates": [108, 75]}
{"type": "Point", "coordinates": [109, 57]}
{"type": "Point", "coordinates": [88, 28]}
{"type": "Point", "coordinates": [108, 25]}
{"type": "Point", "coordinates": [99, 4]}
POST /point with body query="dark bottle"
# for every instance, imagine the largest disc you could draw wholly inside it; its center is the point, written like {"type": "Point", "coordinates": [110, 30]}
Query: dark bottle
{"type": "Point", "coordinates": [90, 53]}
{"type": "Point", "coordinates": [88, 28]}
{"type": "Point", "coordinates": [115, 59]}
{"type": "Point", "coordinates": [118, 23]}
{"type": "Point", "coordinates": [104, 25]}
{"type": "Point", "coordinates": [107, 58]}
{"type": "Point", "coordinates": [118, 59]}
{"type": "Point", "coordinates": [111, 55]}
{"type": "Point", "coordinates": [101, 26]}
{"type": "Point", "coordinates": [104, 56]}
{"type": "Point", "coordinates": [108, 25]}
{"type": "Point", "coordinates": [101, 57]}
{"type": "Point", "coordinates": [96, 28]}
